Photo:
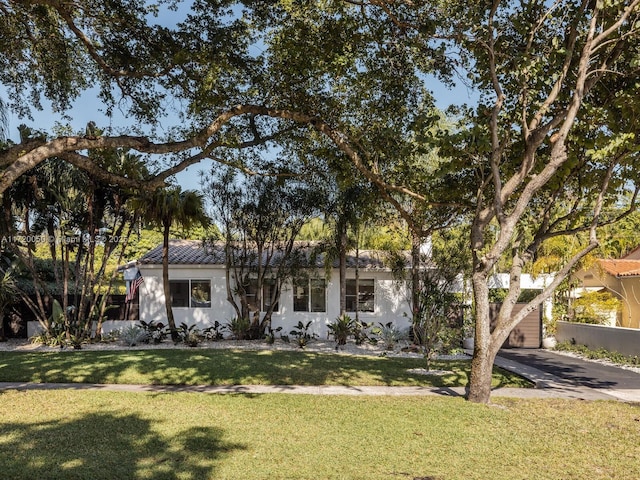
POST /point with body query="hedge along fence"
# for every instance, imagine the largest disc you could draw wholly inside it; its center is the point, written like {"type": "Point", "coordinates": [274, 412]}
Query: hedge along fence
{"type": "Point", "coordinates": [614, 339]}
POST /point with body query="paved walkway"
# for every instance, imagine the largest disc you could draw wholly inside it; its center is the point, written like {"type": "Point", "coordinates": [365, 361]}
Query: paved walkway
{"type": "Point", "coordinates": [541, 367]}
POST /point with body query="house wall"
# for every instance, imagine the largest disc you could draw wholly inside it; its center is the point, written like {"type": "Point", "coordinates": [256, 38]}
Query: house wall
{"type": "Point", "coordinates": [627, 289]}
{"type": "Point", "coordinates": [152, 306]}
{"type": "Point", "coordinates": [390, 302]}
{"type": "Point", "coordinates": [630, 288]}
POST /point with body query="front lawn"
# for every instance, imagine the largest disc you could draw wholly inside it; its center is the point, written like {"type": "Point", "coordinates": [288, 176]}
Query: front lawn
{"type": "Point", "coordinates": [69, 434]}
{"type": "Point", "coordinates": [231, 367]}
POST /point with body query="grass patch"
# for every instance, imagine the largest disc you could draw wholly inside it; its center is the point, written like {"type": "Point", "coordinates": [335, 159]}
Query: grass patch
{"type": "Point", "coordinates": [107, 435]}
{"type": "Point", "coordinates": [229, 367]}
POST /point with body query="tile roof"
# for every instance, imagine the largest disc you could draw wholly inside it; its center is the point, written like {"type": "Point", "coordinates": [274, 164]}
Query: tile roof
{"type": "Point", "coordinates": [195, 252]}
{"type": "Point", "coordinates": [621, 268]}
{"type": "Point", "coordinates": [184, 252]}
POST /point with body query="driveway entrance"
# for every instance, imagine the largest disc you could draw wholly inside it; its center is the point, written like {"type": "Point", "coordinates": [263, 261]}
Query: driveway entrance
{"type": "Point", "coordinates": [578, 371]}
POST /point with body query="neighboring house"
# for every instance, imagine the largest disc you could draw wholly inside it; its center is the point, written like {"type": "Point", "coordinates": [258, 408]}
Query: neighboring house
{"type": "Point", "coordinates": [620, 277]}
{"type": "Point", "coordinates": [199, 292]}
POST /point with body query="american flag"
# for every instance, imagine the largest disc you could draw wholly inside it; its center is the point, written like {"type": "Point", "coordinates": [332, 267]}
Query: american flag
{"type": "Point", "coordinates": [133, 287]}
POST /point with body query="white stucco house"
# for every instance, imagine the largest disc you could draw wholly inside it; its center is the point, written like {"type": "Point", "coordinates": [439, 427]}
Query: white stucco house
{"type": "Point", "coordinates": [197, 276]}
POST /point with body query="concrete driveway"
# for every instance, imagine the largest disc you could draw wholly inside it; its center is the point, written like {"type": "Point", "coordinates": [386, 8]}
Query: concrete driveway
{"type": "Point", "coordinates": [552, 370]}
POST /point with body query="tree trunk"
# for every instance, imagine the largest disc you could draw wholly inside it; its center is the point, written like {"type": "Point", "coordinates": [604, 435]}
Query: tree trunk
{"type": "Point", "coordinates": [415, 277]}
{"type": "Point", "coordinates": [487, 344]}
{"type": "Point", "coordinates": [343, 269]}
{"type": "Point", "coordinates": [165, 282]}
{"type": "Point", "coordinates": [483, 358]}
{"type": "Point", "coordinates": [2, 335]}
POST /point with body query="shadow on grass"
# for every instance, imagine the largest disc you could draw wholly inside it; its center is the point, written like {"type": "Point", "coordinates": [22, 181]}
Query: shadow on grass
{"type": "Point", "coordinates": [108, 446]}
{"type": "Point", "coordinates": [224, 367]}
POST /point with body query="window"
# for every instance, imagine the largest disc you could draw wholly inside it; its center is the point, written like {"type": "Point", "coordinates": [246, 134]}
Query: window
{"type": "Point", "coordinates": [365, 297]}
{"type": "Point", "coordinates": [269, 288]}
{"type": "Point", "coordinates": [179, 292]}
{"type": "Point", "coordinates": [200, 294]}
{"type": "Point", "coordinates": [190, 293]}
{"type": "Point", "coordinates": [309, 296]}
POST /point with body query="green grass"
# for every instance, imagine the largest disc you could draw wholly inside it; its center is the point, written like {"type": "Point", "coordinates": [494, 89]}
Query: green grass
{"type": "Point", "coordinates": [68, 434]}
{"type": "Point", "coordinates": [229, 367]}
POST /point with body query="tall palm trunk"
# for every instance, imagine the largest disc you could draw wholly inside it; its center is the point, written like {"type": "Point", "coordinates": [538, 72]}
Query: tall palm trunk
{"type": "Point", "coordinates": [343, 267]}
{"type": "Point", "coordinates": [165, 281]}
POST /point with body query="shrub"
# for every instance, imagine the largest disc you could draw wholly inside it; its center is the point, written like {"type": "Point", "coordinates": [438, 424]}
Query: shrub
{"type": "Point", "coordinates": [156, 332]}
{"type": "Point", "coordinates": [239, 328]}
{"type": "Point", "coordinates": [595, 308]}
{"type": "Point", "coordinates": [270, 337]}
{"type": "Point", "coordinates": [301, 332]}
{"type": "Point", "coordinates": [213, 333]}
{"type": "Point", "coordinates": [388, 334]}
{"type": "Point", "coordinates": [359, 331]}
{"type": "Point", "coordinates": [133, 335]}
{"type": "Point", "coordinates": [341, 328]}
{"type": "Point", "coordinates": [599, 354]}
{"type": "Point", "coordinates": [189, 334]}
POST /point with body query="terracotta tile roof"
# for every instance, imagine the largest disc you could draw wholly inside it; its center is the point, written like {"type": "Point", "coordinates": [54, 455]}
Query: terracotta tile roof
{"type": "Point", "coordinates": [195, 252]}
{"type": "Point", "coordinates": [621, 268]}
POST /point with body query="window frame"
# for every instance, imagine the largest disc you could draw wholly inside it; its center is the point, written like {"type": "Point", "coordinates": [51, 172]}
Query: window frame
{"type": "Point", "coordinates": [307, 286]}
{"type": "Point", "coordinates": [362, 298]}
{"type": "Point", "coordinates": [267, 289]}
{"type": "Point", "coordinates": [189, 292]}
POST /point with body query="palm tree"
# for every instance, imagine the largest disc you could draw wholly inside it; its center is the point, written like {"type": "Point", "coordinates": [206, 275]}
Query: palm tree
{"type": "Point", "coordinates": [8, 294]}
{"type": "Point", "coordinates": [167, 207]}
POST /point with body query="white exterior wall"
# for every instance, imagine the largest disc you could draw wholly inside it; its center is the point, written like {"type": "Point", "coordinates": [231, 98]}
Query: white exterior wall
{"type": "Point", "coordinates": [152, 307]}
{"type": "Point", "coordinates": [390, 303]}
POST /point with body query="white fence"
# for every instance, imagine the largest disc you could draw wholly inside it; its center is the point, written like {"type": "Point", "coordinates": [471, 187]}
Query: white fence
{"type": "Point", "coordinates": [613, 339]}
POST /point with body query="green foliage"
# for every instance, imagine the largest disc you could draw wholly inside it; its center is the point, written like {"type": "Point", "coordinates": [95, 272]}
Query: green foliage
{"type": "Point", "coordinates": [341, 328]}
{"type": "Point", "coordinates": [302, 334]}
{"type": "Point", "coordinates": [190, 335]}
{"type": "Point", "coordinates": [156, 332]}
{"type": "Point", "coordinates": [54, 337]}
{"type": "Point", "coordinates": [388, 334]}
{"type": "Point", "coordinates": [57, 314]}
{"type": "Point", "coordinates": [239, 327]}
{"type": "Point", "coordinates": [599, 354]}
{"type": "Point", "coordinates": [594, 307]}
{"type": "Point", "coordinates": [270, 336]}
{"type": "Point", "coordinates": [361, 331]}
{"type": "Point", "coordinates": [344, 326]}
{"type": "Point", "coordinates": [214, 332]}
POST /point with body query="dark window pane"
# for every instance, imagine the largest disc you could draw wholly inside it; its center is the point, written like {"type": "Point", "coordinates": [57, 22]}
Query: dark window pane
{"type": "Point", "coordinates": [269, 292]}
{"type": "Point", "coordinates": [251, 294]}
{"type": "Point", "coordinates": [318, 296]}
{"type": "Point", "coordinates": [301, 296]}
{"type": "Point", "coordinates": [179, 293]}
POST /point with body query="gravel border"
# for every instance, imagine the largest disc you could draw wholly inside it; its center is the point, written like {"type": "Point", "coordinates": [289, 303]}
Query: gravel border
{"type": "Point", "coordinates": [321, 346]}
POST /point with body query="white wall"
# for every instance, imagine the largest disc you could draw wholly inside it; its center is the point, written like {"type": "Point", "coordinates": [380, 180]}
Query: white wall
{"type": "Point", "coordinates": [614, 339]}
{"type": "Point", "coordinates": [152, 307]}
{"type": "Point", "coordinates": [390, 304]}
